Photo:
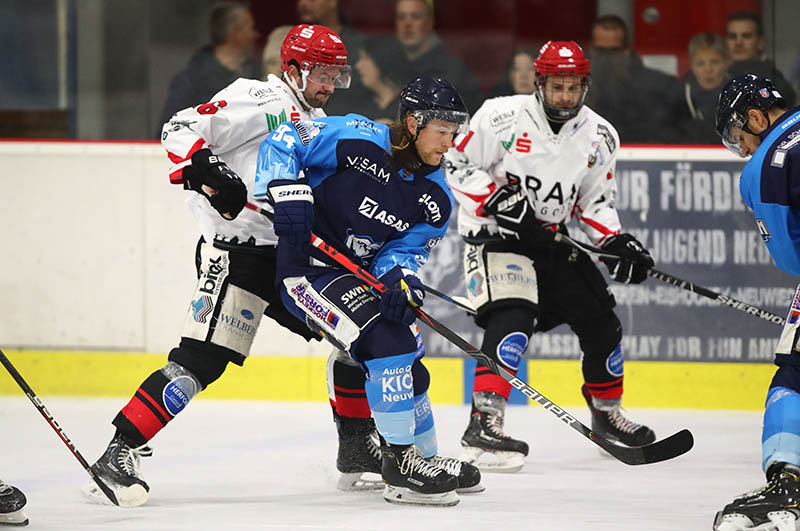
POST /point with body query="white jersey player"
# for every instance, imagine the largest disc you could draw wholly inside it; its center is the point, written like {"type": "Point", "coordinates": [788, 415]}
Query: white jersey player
{"type": "Point", "coordinates": [213, 148]}
{"type": "Point", "coordinates": [528, 165]}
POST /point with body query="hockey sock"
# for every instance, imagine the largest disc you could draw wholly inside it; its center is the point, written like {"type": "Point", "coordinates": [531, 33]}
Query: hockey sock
{"type": "Point", "coordinates": [602, 362]}
{"type": "Point", "coordinates": [606, 391]}
{"type": "Point", "coordinates": [780, 439]}
{"type": "Point", "coordinates": [390, 391]}
{"type": "Point", "coordinates": [508, 350]}
{"type": "Point", "coordinates": [161, 396]}
{"type": "Point", "coordinates": [424, 426]}
{"type": "Point", "coordinates": [347, 385]}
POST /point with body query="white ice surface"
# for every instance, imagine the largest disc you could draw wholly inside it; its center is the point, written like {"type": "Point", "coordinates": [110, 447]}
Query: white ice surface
{"type": "Point", "coordinates": [267, 465]}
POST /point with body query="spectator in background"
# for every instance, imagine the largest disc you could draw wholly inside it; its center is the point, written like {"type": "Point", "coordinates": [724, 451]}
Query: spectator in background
{"type": "Point", "coordinates": [520, 74]}
{"type": "Point", "coordinates": [383, 86]}
{"type": "Point", "coordinates": [329, 13]}
{"type": "Point", "coordinates": [215, 66]}
{"type": "Point", "coordinates": [271, 57]}
{"type": "Point", "coordinates": [708, 62]}
{"type": "Point", "coordinates": [425, 54]}
{"type": "Point", "coordinates": [744, 35]}
{"type": "Point", "coordinates": [641, 102]}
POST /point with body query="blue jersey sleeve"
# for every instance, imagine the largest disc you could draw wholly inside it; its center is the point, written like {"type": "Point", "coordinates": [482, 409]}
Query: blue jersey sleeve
{"type": "Point", "coordinates": [410, 248]}
{"type": "Point", "coordinates": [291, 147]}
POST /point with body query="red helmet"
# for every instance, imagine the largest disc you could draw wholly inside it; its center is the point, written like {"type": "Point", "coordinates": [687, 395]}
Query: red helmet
{"type": "Point", "coordinates": [312, 45]}
{"type": "Point", "coordinates": [561, 58]}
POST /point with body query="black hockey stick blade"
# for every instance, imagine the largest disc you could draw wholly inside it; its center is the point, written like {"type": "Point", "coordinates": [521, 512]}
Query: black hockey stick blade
{"type": "Point", "coordinates": [673, 446]}
{"type": "Point", "coordinates": [53, 424]}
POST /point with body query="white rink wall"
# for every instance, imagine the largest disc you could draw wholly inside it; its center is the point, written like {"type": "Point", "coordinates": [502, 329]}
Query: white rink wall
{"type": "Point", "coordinates": [98, 248]}
{"type": "Point", "coordinates": [98, 251]}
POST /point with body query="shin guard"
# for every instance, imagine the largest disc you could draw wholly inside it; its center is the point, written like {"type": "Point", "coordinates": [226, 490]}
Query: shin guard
{"type": "Point", "coordinates": [780, 439]}
{"type": "Point", "coordinates": [390, 391]}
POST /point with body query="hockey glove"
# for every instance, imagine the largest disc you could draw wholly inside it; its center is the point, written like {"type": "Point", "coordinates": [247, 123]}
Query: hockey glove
{"type": "Point", "coordinates": [514, 215]}
{"type": "Point", "coordinates": [293, 204]}
{"type": "Point", "coordinates": [210, 177]}
{"type": "Point", "coordinates": [405, 290]}
{"type": "Point", "coordinates": [634, 261]}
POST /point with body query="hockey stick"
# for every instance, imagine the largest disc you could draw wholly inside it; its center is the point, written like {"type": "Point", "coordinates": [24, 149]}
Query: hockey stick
{"type": "Point", "coordinates": [461, 302]}
{"type": "Point", "coordinates": [684, 284]}
{"type": "Point", "coordinates": [673, 446]}
{"type": "Point", "coordinates": [53, 424]}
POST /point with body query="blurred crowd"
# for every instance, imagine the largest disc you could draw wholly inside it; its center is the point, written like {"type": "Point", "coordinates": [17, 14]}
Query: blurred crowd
{"type": "Point", "coordinates": [645, 104]}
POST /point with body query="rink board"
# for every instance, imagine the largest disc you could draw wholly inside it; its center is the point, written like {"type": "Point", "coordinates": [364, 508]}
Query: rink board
{"type": "Point", "coordinates": [684, 385]}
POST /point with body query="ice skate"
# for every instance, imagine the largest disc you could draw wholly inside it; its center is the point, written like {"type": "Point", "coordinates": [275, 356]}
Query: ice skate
{"type": "Point", "coordinates": [485, 444]}
{"type": "Point", "coordinates": [773, 507]}
{"type": "Point", "coordinates": [469, 477]}
{"type": "Point", "coordinates": [411, 480]}
{"type": "Point", "coordinates": [359, 458]}
{"type": "Point", "coordinates": [12, 501]}
{"type": "Point", "coordinates": [118, 468]}
{"type": "Point", "coordinates": [608, 421]}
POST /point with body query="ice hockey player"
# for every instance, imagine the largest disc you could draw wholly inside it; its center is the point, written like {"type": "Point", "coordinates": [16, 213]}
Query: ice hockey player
{"type": "Point", "coordinates": [213, 148]}
{"type": "Point", "coordinates": [528, 165]}
{"type": "Point", "coordinates": [12, 503]}
{"type": "Point", "coordinates": [377, 194]}
{"type": "Point", "coordinates": [753, 121]}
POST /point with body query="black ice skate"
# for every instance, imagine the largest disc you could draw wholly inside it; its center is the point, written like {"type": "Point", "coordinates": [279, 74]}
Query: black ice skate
{"type": "Point", "coordinates": [12, 500]}
{"type": "Point", "coordinates": [773, 507]}
{"type": "Point", "coordinates": [359, 456]}
{"type": "Point", "coordinates": [608, 421]}
{"type": "Point", "coordinates": [485, 444]}
{"type": "Point", "coordinates": [411, 480]}
{"type": "Point", "coordinates": [469, 477]}
{"type": "Point", "coordinates": [118, 468]}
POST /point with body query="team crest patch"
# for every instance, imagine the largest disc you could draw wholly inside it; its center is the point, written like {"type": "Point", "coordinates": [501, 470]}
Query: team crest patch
{"type": "Point", "coordinates": [475, 284]}
{"type": "Point", "coordinates": [202, 308]}
{"type": "Point", "coordinates": [764, 93]}
{"type": "Point", "coordinates": [614, 363]}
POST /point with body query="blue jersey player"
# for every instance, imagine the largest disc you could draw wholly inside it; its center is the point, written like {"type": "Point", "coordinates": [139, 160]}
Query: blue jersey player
{"type": "Point", "coordinates": [377, 194]}
{"type": "Point", "coordinates": [753, 121]}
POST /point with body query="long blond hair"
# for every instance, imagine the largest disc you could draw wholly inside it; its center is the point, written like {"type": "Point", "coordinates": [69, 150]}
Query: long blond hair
{"type": "Point", "coordinates": [404, 150]}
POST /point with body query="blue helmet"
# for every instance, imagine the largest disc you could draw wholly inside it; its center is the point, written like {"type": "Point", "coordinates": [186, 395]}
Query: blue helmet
{"type": "Point", "coordinates": [433, 99]}
{"type": "Point", "coordinates": [741, 93]}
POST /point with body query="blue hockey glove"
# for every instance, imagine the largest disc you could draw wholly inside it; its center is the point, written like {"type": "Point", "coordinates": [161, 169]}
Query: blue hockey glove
{"type": "Point", "coordinates": [634, 260]}
{"type": "Point", "coordinates": [209, 176]}
{"type": "Point", "coordinates": [293, 205]}
{"type": "Point", "coordinates": [405, 290]}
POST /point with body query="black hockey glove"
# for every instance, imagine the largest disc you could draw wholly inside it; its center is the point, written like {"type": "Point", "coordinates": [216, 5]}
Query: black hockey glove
{"type": "Point", "coordinates": [210, 177]}
{"type": "Point", "coordinates": [634, 260]}
{"type": "Point", "coordinates": [514, 215]}
{"type": "Point", "coordinates": [405, 290]}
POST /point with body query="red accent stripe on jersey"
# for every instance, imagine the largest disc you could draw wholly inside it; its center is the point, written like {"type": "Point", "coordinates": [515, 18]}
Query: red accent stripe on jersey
{"type": "Point", "coordinates": [176, 177]}
{"type": "Point", "coordinates": [490, 382]}
{"type": "Point", "coordinates": [479, 198]}
{"type": "Point", "coordinates": [142, 418]}
{"type": "Point", "coordinates": [197, 146]}
{"type": "Point", "coordinates": [463, 143]}
{"type": "Point", "coordinates": [598, 227]}
{"type": "Point", "coordinates": [353, 407]}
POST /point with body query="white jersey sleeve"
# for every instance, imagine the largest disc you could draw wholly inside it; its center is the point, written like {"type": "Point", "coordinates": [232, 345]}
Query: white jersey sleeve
{"type": "Point", "coordinates": [232, 125]}
{"type": "Point", "coordinates": [474, 165]}
{"type": "Point", "coordinates": [595, 210]}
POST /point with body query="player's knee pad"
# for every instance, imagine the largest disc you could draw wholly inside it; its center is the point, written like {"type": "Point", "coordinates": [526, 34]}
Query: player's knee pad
{"type": "Point", "coordinates": [508, 330]}
{"type": "Point", "coordinates": [780, 439]}
{"type": "Point", "coordinates": [200, 360]}
{"type": "Point", "coordinates": [788, 373]}
{"type": "Point", "coordinates": [386, 339]}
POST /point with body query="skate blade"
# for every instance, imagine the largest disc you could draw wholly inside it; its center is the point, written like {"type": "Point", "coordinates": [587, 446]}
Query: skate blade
{"type": "Point", "coordinates": [16, 518]}
{"type": "Point", "coordinates": [405, 496]}
{"type": "Point", "coordinates": [493, 462]}
{"type": "Point", "coordinates": [360, 482]}
{"type": "Point", "coordinates": [132, 496]}
{"type": "Point", "coordinates": [778, 521]}
{"type": "Point", "coordinates": [475, 489]}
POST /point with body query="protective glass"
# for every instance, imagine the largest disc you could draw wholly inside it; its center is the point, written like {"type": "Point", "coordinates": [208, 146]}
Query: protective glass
{"type": "Point", "coordinates": [336, 76]}
{"type": "Point", "coordinates": [732, 134]}
{"type": "Point", "coordinates": [454, 117]}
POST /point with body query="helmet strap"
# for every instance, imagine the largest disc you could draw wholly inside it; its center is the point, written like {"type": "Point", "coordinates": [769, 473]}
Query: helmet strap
{"type": "Point", "coordinates": [298, 91]}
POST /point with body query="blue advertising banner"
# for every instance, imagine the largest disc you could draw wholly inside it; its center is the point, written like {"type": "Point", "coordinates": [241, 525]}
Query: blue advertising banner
{"type": "Point", "coordinates": [684, 206]}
